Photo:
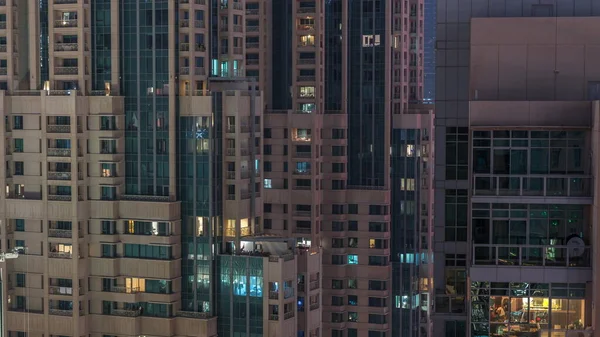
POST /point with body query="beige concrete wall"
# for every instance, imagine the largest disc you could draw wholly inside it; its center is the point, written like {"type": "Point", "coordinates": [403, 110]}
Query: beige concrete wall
{"type": "Point", "coordinates": [535, 59]}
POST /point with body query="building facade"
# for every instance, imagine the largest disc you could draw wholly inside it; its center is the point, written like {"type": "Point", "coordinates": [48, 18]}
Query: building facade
{"type": "Point", "coordinates": [515, 218]}
{"type": "Point", "coordinates": [203, 168]}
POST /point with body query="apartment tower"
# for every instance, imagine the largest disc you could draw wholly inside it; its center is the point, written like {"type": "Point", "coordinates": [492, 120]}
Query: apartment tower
{"type": "Point", "coordinates": [187, 167]}
{"type": "Point", "coordinates": [515, 233]}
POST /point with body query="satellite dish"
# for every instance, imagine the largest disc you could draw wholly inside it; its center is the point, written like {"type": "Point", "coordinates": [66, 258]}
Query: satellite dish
{"type": "Point", "coordinates": [575, 245]}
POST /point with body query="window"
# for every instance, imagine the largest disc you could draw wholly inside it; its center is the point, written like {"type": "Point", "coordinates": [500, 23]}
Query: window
{"type": "Point", "coordinates": [337, 284]}
{"type": "Point", "coordinates": [108, 227]}
{"type": "Point", "coordinates": [20, 225]}
{"type": "Point", "coordinates": [377, 285]}
{"type": "Point", "coordinates": [338, 151]}
{"type": "Point", "coordinates": [337, 226]}
{"type": "Point", "coordinates": [18, 143]}
{"type": "Point", "coordinates": [18, 122]}
{"type": "Point", "coordinates": [338, 168]}
{"type": "Point", "coordinates": [378, 260]}
{"type": "Point", "coordinates": [108, 146]}
{"type": "Point", "coordinates": [456, 148]}
{"type": "Point", "coordinates": [352, 283]}
{"type": "Point", "coordinates": [456, 215]}
{"type": "Point", "coordinates": [337, 243]}
{"type": "Point", "coordinates": [377, 319]}
{"type": "Point", "coordinates": [148, 251]}
{"type": "Point", "coordinates": [353, 242]}
{"type": "Point", "coordinates": [378, 302]}
{"type": "Point", "coordinates": [352, 300]}
{"type": "Point", "coordinates": [371, 40]}
{"type": "Point", "coordinates": [352, 209]}
{"type": "Point", "coordinates": [352, 259]}
{"type": "Point", "coordinates": [338, 259]}
{"type": "Point", "coordinates": [109, 170]}
{"type": "Point", "coordinates": [352, 316]}
{"type": "Point", "coordinates": [455, 328]}
{"type": "Point", "coordinates": [20, 280]}
{"type": "Point", "coordinates": [267, 183]}
{"type": "Point", "coordinates": [109, 250]}
{"type": "Point", "coordinates": [19, 168]}
{"type": "Point", "coordinates": [352, 225]}
{"type": "Point", "coordinates": [307, 92]}
{"type": "Point", "coordinates": [108, 193]}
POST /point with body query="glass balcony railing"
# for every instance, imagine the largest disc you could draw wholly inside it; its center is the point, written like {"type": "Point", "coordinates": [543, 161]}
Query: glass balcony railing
{"type": "Point", "coordinates": [532, 185]}
{"type": "Point", "coordinates": [532, 255]}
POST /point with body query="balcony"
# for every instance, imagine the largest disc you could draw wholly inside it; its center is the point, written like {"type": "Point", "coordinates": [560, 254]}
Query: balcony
{"type": "Point", "coordinates": [251, 11]}
{"type": "Point", "coordinates": [3, 71]}
{"type": "Point", "coordinates": [250, 29]}
{"type": "Point", "coordinates": [60, 255]}
{"type": "Point", "coordinates": [252, 45]}
{"type": "Point", "coordinates": [60, 233]}
{"type": "Point", "coordinates": [532, 255]}
{"type": "Point", "coordinates": [56, 290]}
{"type": "Point", "coordinates": [303, 155]}
{"type": "Point", "coordinates": [306, 78]}
{"type": "Point", "coordinates": [55, 128]}
{"type": "Point", "coordinates": [2, 24]}
{"type": "Point", "coordinates": [199, 24]}
{"type": "Point", "coordinates": [64, 2]}
{"type": "Point", "coordinates": [63, 312]}
{"type": "Point", "coordinates": [532, 185]}
{"type": "Point", "coordinates": [288, 315]}
{"type": "Point", "coordinates": [306, 10]}
{"type": "Point", "coordinates": [3, 48]}
{"type": "Point", "coordinates": [125, 312]}
{"type": "Point", "coordinates": [306, 28]}
{"type": "Point", "coordinates": [314, 306]}
{"type": "Point", "coordinates": [273, 295]}
{"type": "Point", "coordinates": [59, 197]}
{"type": "Point", "coordinates": [302, 172]}
{"type": "Point", "coordinates": [66, 23]}
{"type": "Point", "coordinates": [184, 23]}
{"type": "Point", "coordinates": [122, 290]}
{"type": "Point", "coordinates": [193, 314]}
{"type": "Point", "coordinates": [302, 213]}
{"type": "Point", "coordinates": [314, 285]}
{"type": "Point", "coordinates": [273, 317]}
{"type": "Point", "coordinates": [66, 46]}
{"type": "Point", "coordinates": [66, 70]}
{"type": "Point", "coordinates": [306, 61]}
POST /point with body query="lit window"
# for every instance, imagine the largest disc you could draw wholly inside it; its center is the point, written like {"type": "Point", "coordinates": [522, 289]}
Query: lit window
{"type": "Point", "coordinates": [307, 92]}
{"type": "Point", "coordinates": [267, 183]}
{"type": "Point", "coordinates": [352, 259]}
{"type": "Point", "coordinates": [371, 40]}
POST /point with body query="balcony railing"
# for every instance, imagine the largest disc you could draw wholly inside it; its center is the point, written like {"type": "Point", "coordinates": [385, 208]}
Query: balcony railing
{"type": "Point", "coordinates": [64, 2]}
{"type": "Point", "coordinates": [123, 290]}
{"type": "Point", "coordinates": [2, 24]}
{"type": "Point", "coordinates": [60, 312]}
{"type": "Point", "coordinates": [273, 317]}
{"type": "Point", "coordinates": [59, 175]}
{"type": "Point", "coordinates": [56, 290]}
{"type": "Point", "coordinates": [59, 197]}
{"type": "Point", "coordinates": [532, 255]}
{"type": "Point", "coordinates": [314, 285]}
{"type": "Point", "coordinates": [60, 233]}
{"type": "Point", "coordinates": [302, 213]}
{"type": "Point", "coordinates": [193, 314]}
{"type": "Point", "coordinates": [288, 315]}
{"type": "Point", "coordinates": [532, 185]}
{"type": "Point", "coordinates": [306, 61]}
{"type": "Point", "coordinates": [125, 312]}
{"type": "Point", "coordinates": [53, 128]}
{"type": "Point", "coordinates": [65, 23]}
{"type": "Point", "coordinates": [273, 295]}
{"type": "Point", "coordinates": [60, 255]}
{"type": "Point", "coordinates": [154, 198]}
{"type": "Point", "coordinates": [251, 11]}
{"type": "Point", "coordinates": [66, 46]}
{"type": "Point", "coordinates": [251, 45]}
{"type": "Point", "coordinates": [304, 10]}
{"type": "Point", "coordinates": [314, 306]}
{"type": "Point", "coordinates": [66, 70]}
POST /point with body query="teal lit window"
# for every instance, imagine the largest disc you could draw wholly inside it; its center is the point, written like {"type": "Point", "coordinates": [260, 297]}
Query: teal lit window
{"type": "Point", "coordinates": [18, 145]}
{"type": "Point", "coordinates": [352, 300]}
{"type": "Point", "coordinates": [352, 259]}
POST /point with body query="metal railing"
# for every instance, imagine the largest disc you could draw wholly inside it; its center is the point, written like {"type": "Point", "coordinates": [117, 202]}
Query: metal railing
{"type": "Point", "coordinates": [273, 295]}
{"type": "Point", "coordinates": [155, 198]}
{"type": "Point", "coordinates": [59, 197]}
{"type": "Point", "coordinates": [314, 285]}
{"type": "Point", "coordinates": [55, 128]}
{"type": "Point", "coordinates": [532, 185]}
{"type": "Point", "coordinates": [60, 233]}
{"type": "Point", "coordinates": [125, 312]}
{"type": "Point", "coordinates": [66, 70]}
{"type": "Point", "coordinates": [302, 213]}
{"type": "Point", "coordinates": [59, 46]}
{"type": "Point", "coordinates": [55, 152]}
{"type": "Point", "coordinates": [60, 255]}
{"type": "Point", "coordinates": [314, 306]}
{"type": "Point", "coordinates": [273, 317]}
{"type": "Point", "coordinates": [532, 255]}
{"type": "Point", "coordinates": [288, 315]}
{"type": "Point", "coordinates": [193, 314]}
{"type": "Point", "coordinates": [59, 175]}
{"type": "Point", "coordinates": [123, 290]}
{"type": "Point", "coordinates": [65, 23]}
{"type": "Point", "coordinates": [57, 290]}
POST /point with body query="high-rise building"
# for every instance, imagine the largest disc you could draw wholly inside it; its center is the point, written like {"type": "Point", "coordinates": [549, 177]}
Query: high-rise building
{"type": "Point", "coordinates": [516, 108]}
{"type": "Point", "coordinates": [214, 167]}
